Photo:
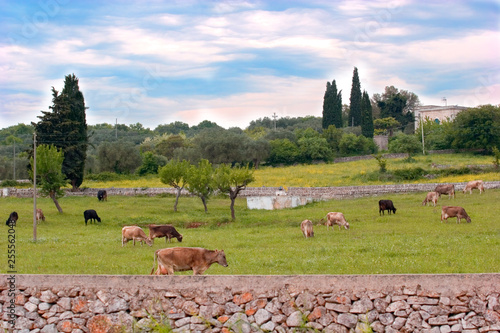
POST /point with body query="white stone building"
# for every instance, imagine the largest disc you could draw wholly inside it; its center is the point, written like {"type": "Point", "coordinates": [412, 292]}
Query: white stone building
{"type": "Point", "coordinates": [437, 113]}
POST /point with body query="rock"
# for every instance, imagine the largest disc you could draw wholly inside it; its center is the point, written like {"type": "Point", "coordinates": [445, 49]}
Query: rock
{"type": "Point", "coordinates": [268, 326]}
{"type": "Point", "coordinates": [347, 319]}
{"type": "Point", "coordinates": [399, 322]}
{"type": "Point", "coordinates": [362, 306]}
{"type": "Point", "coordinates": [295, 319]}
{"type": "Point", "coordinates": [386, 319]}
{"type": "Point", "coordinates": [49, 329]}
{"type": "Point", "coordinates": [48, 296]}
{"type": "Point", "coordinates": [305, 301]}
{"type": "Point", "coordinates": [262, 316]}
{"type": "Point", "coordinates": [117, 304]}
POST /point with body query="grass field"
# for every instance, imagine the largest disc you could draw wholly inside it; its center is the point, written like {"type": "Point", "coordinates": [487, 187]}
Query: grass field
{"type": "Point", "coordinates": [261, 242]}
{"type": "Point", "coordinates": [334, 174]}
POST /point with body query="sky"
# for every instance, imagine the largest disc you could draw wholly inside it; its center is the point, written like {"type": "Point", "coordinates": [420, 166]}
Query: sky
{"type": "Point", "coordinates": [231, 62]}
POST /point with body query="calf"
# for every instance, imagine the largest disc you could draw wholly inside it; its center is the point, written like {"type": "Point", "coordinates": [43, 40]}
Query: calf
{"type": "Point", "coordinates": [451, 211]}
{"type": "Point", "coordinates": [179, 259]}
{"type": "Point", "coordinates": [446, 189]}
{"type": "Point", "coordinates": [384, 205]}
{"type": "Point", "coordinates": [39, 215]}
{"type": "Point", "coordinates": [168, 231]}
{"type": "Point", "coordinates": [91, 215]}
{"type": "Point", "coordinates": [307, 228]}
{"type": "Point", "coordinates": [431, 197]}
{"type": "Point", "coordinates": [336, 218]}
{"type": "Point", "coordinates": [11, 221]}
{"type": "Point", "coordinates": [474, 184]}
{"type": "Point", "coordinates": [102, 195]}
{"type": "Point", "coordinates": [134, 233]}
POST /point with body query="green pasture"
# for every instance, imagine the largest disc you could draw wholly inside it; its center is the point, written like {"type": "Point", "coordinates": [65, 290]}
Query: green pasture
{"type": "Point", "coordinates": [259, 241]}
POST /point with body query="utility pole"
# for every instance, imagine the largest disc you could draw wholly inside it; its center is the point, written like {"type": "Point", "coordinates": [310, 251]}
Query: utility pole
{"type": "Point", "coordinates": [422, 125]}
{"type": "Point", "coordinates": [116, 128]}
{"type": "Point", "coordinates": [34, 186]}
{"type": "Point", "coordinates": [14, 175]}
{"type": "Point", "coordinates": [274, 118]}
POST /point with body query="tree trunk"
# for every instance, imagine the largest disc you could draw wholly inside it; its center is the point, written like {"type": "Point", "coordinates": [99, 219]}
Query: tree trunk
{"type": "Point", "coordinates": [53, 197]}
{"type": "Point", "coordinates": [179, 189]}
{"type": "Point", "coordinates": [232, 196]}
{"type": "Point", "coordinates": [204, 200]}
{"type": "Point", "coordinates": [73, 185]}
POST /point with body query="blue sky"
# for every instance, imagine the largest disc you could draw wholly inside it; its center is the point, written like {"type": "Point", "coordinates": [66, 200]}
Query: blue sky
{"type": "Point", "coordinates": [231, 62]}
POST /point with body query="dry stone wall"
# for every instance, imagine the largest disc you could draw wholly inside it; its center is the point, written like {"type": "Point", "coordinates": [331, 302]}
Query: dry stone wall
{"type": "Point", "coordinates": [326, 193]}
{"type": "Point", "coordinates": [305, 303]}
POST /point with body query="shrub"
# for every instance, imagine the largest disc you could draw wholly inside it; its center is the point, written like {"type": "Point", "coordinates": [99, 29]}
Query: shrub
{"type": "Point", "coordinates": [409, 173]}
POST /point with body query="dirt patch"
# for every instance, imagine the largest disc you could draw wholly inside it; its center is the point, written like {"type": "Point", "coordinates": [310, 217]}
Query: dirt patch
{"type": "Point", "coordinates": [194, 225]}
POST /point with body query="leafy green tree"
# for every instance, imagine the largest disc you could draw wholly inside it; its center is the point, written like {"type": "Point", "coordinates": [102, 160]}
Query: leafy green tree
{"type": "Point", "coordinates": [257, 151]}
{"type": "Point", "coordinates": [176, 127]}
{"type": "Point", "coordinates": [49, 161]}
{"type": "Point", "coordinates": [332, 106]}
{"type": "Point", "coordinates": [367, 128]}
{"type": "Point", "coordinates": [386, 125]}
{"type": "Point", "coordinates": [477, 128]}
{"type": "Point", "coordinates": [175, 174]}
{"type": "Point", "coordinates": [283, 151]}
{"type": "Point", "coordinates": [66, 128]}
{"type": "Point", "coordinates": [150, 164]}
{"type": "Point", "coordinates": [232, 181]}
{"type": "Point", "coordinates": [221, 146]}
{"type": "Point", "coordinates": [436, 136]}
{"type": "Point", "coordinates": [355, 100]}
{"type": "Point", "coordinates": [404, 143]}
{"type": "Point", "coordinates": [167, 146]}
{"type": "Point", "coordinates": [412, 100]}
{"type": "Point", "coordinates": [200, 181]}
{"type": "Point", "coordinates": [333, 136]}
{"type": "Point", "coordinates": [351, 145]}
{"type": "Point", "coordinates": [312, 146]}
{"type": "Point", "coordinates": [119, 157]}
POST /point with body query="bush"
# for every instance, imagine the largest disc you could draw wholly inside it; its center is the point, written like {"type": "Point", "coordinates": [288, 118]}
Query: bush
{"type": "Point", "coordinates": [106, 176]}
{"type": "Point", "coordinates": [409, 173]}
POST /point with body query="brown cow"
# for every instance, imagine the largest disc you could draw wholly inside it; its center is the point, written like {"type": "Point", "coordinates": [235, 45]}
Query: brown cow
{"type": "Point", "coordinates": [452, 211]}
{"type": "Point", "coordinates": [168, 231]}
{"type": "Point", "coordinates": [431, 197]}
{"type": "Point", "coordinates": [336, 218]}
{"type": "Point", "coordinates": [474, 184]}
{"type": "Point", "coordinates": [39, 215]}
{"type": "Point", "coordinates": [177, 259]}
{"type": "Point", "coordinates": [446, 189]}
{"type": "Point", "coordinates": [134, 233]}
{"type": "Point", "coordinates": [307, 228]}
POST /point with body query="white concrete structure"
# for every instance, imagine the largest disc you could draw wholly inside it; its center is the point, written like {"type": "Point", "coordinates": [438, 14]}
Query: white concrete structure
{"type": "Point", "coordinates": [437, 113]}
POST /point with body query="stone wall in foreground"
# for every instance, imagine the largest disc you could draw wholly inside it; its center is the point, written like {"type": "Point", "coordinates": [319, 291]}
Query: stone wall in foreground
{"type": "Point", "coordinates": [299, 303]}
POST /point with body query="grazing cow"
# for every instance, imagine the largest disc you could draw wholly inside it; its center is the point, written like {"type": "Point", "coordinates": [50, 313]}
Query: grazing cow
{"type": "Point", "coordinates": [333, 218]}
{"type": "Point", "coordinates": [431, 197]}
{"type": "Point", "coordinates": [102, 195]}
{"type": "Point", "coordinates": [384, 205]}
{"type": "Point", "coordinates": [91, 215]}
{"type": "Point", "coordinates": [177, 259]}
{"type": "Point", "coordinates": [451, 211]}
{"type": "Point", "coordinates": [446, 189]}
{"type": "Point", "coordinates": [134, 233]}
{"type": "Point", "coordinates": [307, 228]}
{"type": "Point", "coordinates": [11, 221]}
{"type": "Point", "coordinates": [168, 231]}
{"type": "Point", "coordinates": [39, 215]}
{"type": "Point", "coordinates": [474, 184]}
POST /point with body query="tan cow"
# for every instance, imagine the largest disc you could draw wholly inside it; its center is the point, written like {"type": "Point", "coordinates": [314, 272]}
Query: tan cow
{"type": "Point", "coordinates": [474, 184]}
{"type": "Point", "coordinates": [134, 233]}
{"type": "Point", "coordinates": [177, 259]}
{"type": "Point", "coordinates": [307, 228]}
{"type": "Point", "coordinates": [39, 215]}
{"type": "Point", "coordinates": [336, 218]}
{"type": "Point", "coordinates": [454, 211]}
{"type": "Point", "coordinates": [446, 189]}
{"type": "Point", "coordinates": [431, 197]}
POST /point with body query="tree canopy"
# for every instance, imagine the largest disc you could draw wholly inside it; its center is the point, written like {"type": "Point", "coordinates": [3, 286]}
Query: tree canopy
{"type": "Point", "coordinates": [332, 106]}
{"type": "Point", "coordinates": [355, 100]}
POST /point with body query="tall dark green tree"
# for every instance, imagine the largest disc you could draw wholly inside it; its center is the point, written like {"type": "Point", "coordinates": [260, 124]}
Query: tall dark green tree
{"type": "Point", "coordinates": [355, 106]}
{"type": "Point", "coordinates": [66, 128]}
{"type": "Point", "coordinates": [366, 116]}
{"type": "Point", "coordinates": [332, 106]}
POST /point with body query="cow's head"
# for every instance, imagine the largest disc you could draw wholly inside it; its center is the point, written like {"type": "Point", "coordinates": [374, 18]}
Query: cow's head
{"type": "Point", "coordinates": [221, 258]}
{"type": "Point", "coordinates": [179, 238]}
{"type": "Point", "coordinates": [148, 241]}
{"type": "Point", "coordinates": [346, 225]}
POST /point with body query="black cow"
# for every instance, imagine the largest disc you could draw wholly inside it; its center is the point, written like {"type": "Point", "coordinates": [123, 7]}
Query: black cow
{"type": "Point", "coordinates": [167, 231]}
{"type": "Point", "coordinates": [11, 221]}
{"type": "Point", "coordinates": [91, 214]}
{"type": "Point", "coordinates": [384, 205]}
{"type": "Point", "coordinates": [102, 195]}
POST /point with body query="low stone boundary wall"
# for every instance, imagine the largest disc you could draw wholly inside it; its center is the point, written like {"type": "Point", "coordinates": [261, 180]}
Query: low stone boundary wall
{"type": "Point", "coordinates": [298, 303]}
{"type": "Point", "coordinates": [324, 193]}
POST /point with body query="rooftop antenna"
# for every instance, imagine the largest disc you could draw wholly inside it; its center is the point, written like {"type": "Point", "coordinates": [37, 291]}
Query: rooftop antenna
{"type": "Point", "coordinates": [444, 100]}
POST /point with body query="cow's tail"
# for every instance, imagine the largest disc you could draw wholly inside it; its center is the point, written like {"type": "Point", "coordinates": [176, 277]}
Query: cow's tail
{"type": "Point", "coordinates": [154, 262]}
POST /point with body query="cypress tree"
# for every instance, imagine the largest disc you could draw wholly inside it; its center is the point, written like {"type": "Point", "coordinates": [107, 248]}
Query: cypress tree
{"type": "Point", "coordinates": [66, 128]}
{"type": "Point", "coordinates": [366, 116]}
{"type": "Point", "coordinates": [332, 106]}
{"type": "Point", "coordinates": [355, 106]}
